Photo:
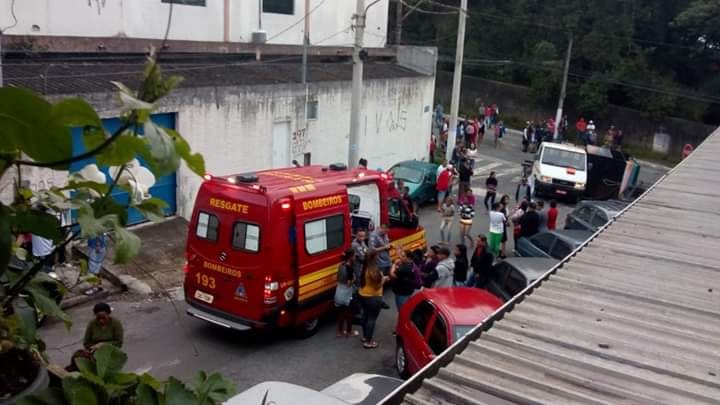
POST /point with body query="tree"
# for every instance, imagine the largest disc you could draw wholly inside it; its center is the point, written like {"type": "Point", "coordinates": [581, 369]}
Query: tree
{"type": "Point", "coordinates": [37, 133]}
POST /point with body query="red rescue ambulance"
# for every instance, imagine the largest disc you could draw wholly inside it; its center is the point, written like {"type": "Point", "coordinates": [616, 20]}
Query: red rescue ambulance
{"type": "Point", "coordinates": [263, 248]}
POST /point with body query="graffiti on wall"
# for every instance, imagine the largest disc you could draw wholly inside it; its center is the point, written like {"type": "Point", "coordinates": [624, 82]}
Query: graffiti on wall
{"type": "Point", "coordinates": [390, 121]}
{"type": "Point", "coordinates": [299, 142]}
{"type": "Point", "coordinates": [99, 4]}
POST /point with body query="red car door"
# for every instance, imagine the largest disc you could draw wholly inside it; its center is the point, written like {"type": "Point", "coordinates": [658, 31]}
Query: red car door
{"type": "Point", "coordinates": [416, 343]}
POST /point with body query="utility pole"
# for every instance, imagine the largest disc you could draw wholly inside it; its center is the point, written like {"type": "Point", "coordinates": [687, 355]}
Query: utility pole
{"type": "Point", "coordinates": [306, 42]}
{"type": "Point", "coordinates": [563, 90]}
{"type": "Point", "coordinates": [357, 85]}
{"type": "Point", "coordinates": [398, 21]}
{"type": "Point", "coordinates": [457, 81]}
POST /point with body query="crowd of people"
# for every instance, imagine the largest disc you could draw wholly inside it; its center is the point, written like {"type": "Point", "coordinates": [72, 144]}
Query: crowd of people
{"type": "Point", "coordinates": [535, 134]}
{"type": "Point", "coordinates": [470, 131]}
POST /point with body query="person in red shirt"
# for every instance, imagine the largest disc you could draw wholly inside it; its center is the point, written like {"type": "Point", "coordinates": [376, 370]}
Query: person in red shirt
{"type": "Point", "coordinates": [443, 184]}
{"type": "Point", "coordinates": [581, 126]}
{"type": "Point", "coordinates": [552, 215]}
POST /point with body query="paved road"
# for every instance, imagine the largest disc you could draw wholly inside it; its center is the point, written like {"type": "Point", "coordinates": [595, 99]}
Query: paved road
{"type": "Point", "coordinates": [161, 339]}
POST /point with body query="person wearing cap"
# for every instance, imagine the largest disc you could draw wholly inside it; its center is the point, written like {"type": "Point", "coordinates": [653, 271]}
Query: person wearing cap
{"type": "Point", "coordinates": [103, 329]}
{"type": "Point", "coordinates": [590, 134]}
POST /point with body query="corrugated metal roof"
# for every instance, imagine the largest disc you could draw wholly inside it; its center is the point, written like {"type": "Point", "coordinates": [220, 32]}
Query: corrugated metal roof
{"type": "Point", "coordinates": [633, 317]}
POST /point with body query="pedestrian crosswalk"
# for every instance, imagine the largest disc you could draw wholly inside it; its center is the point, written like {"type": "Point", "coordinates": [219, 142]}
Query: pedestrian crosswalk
{"type": "Point", "coordinates": [502, 168]}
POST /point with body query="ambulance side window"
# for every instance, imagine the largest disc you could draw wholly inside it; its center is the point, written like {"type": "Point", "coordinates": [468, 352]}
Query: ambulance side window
{"type": "Point", "coordinates": [324, 234]}
{"type": "Point", "coordinates": [207, 226]}
{"type": "Point", "coordinates": [246, 237]}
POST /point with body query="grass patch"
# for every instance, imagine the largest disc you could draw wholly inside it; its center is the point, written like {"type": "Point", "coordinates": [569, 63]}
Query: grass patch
{"type": "Point", "coordinates": [651, 156]}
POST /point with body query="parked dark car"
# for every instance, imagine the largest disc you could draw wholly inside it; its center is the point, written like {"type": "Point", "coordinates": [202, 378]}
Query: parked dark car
{"type": "Point", "coordinates": [552, 244]}
{"type": "Point", "coordinates": [420, 177]}
{"type": "Point", "coordinates": [590, 215]}
{"type": "Point", "coordinates": [513, 274]}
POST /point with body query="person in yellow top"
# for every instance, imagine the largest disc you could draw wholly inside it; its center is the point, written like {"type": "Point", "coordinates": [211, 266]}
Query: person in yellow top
{"type": "Point", "coordinates": [371, 293]}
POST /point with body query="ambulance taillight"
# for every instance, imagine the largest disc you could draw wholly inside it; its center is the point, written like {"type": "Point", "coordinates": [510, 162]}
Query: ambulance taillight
{"type": "Point", "coordinates": [271, 290]}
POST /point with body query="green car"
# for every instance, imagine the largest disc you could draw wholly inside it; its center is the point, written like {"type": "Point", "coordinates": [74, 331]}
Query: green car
{"type": "Point", "coordinates": [420, 177]}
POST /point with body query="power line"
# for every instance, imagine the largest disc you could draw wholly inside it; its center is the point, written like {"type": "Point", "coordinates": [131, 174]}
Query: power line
{"type": "Point", "coordinates": [503, 18]}
{"type": "Point", "coordinates": [166, 69]}
{"type": "Point", "coordinates": [423, 11]}
{"type": "Point", "coordinates": [291, 26]}
{"type": "Point", "coordinates": [15, 20]}
{"type": "Point", "coordinates": [331, 36]}
{"type": "Point", "coordinates": [637, 86]}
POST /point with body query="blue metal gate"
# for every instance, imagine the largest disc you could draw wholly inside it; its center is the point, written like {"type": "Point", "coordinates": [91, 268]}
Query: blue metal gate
{"type": "Point", "coordinates": [164, 188]}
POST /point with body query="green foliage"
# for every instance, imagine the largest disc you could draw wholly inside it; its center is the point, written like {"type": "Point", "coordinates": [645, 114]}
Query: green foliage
{"type": "Point", "coordinates": [677, 42]}
{"type": "Point", "coordinates": [32, 127]}
{"type": "Point", "coordinates": [103, 382]}
{"type": "Point", "coordinates": [593, 97]}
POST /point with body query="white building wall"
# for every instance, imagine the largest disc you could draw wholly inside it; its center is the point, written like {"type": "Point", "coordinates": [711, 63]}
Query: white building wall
{"type": "Point", "coordinates": [232, 127]}
{"type": "Point", "coordinates": [329, 23]}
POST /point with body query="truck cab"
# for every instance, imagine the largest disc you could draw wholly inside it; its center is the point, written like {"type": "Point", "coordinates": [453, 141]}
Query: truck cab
{"type": "Point", "coordinates": [559, 171]}
{"type": "Point", "coordinates": [263, 248]}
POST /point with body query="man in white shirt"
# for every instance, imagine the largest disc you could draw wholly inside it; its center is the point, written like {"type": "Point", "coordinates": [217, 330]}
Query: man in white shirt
{"type": "Point", "coordinates": [444, 269]}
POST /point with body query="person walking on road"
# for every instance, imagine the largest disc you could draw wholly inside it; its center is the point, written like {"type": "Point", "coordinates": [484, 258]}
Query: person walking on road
{"type": "Point", "coordinates": [497, 220]}
{"type": "Point", "coordinates": [481, 263]}
{"type": "Point", "coordinates": [461, 265]}
{"type": "Point", "coordinates": [443, 184]}
{"type": "Point", "coordinates": [491, 186]}
{"type": "Point", "coordinates": [552, 215]}
{"type": "Point", "coordinates": [499, 134]}
{"type": "Point", "coordinates": [380, 244]}
{"type": "Point", "coordinates": [505, 209]}
{"type": "Point", "coordinates": [447, 217]}
{"type": "Point", "coordinates": [444, 268]}
{"type": "Point", "coordinates": [515, 219]}
{"type": "Point", "coordinates": [467, 214]}
{"type": "Point", "coordinates": [542, 216]}
{"type": "Point", "coordinates": [344, 294]}
{"type": "Point", "coordinates": [371, 292]}
{"type": "Point", "coordinates": [523, 190]}
{"type": "Point", "coordinates": [429, 269]}
{"type": "Point", "coordinates": [403, 278]}
{"type": "Point", "coordinates": [530, 222]}
{"type": "Point", "coordinates": [465, 173]}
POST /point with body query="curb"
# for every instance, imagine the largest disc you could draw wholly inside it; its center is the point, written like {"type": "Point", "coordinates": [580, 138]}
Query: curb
{"type": "Point", "coordinates": [105, 273]}
{"type": "Point", "coordinates": [84, 299]}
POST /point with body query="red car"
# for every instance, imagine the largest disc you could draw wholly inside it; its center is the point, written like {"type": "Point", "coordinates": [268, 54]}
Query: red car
{"type": "Point", "coordinates": [433, 319]}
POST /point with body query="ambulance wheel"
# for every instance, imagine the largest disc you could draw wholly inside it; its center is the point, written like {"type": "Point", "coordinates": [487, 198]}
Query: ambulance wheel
{"type": "Point", "coordinates": [308, 328]}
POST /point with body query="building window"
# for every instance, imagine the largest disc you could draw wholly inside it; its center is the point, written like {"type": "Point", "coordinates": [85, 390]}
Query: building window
{"type": "Point", "coordinates": [307, 159]}
{"type": "Point", "coordinates": [324, 234]}
{"type": "Point", "coordinates": [186, 2]}
{"type": "Point", "coordinates": [312, 110]}
{"type": "Point", "coordinates": [279, 6]}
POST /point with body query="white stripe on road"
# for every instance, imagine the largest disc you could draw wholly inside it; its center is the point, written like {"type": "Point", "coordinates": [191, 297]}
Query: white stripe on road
{"type": "Point", "coordinates": [486, 168]}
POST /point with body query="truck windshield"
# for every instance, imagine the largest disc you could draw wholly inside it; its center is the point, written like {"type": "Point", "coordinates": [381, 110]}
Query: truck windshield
{"type": "Point", "coordinates": [563, 158]}
{"type": "Point", "coordinates": [407, 174]}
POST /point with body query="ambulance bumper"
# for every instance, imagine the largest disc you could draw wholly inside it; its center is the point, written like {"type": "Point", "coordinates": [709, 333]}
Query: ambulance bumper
{"type": "Point", "coordinates": [214, 318]}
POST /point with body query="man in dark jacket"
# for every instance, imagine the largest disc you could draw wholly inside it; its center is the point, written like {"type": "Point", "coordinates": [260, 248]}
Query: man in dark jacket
{"type": "Point", "coordinates": [529, 222]}
{"type": "Point", "coordinates": [481, 263]}
{"type": "Point", "coordinates": [523, 191]}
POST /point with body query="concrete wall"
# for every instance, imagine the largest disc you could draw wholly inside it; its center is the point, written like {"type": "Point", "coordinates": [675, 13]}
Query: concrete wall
{"type": "Point", "coordinates": [148, 19]}
{"type": "Point", "coordinates": [515, 101]}
{"type": "Point", "coordinates": [233, 127]}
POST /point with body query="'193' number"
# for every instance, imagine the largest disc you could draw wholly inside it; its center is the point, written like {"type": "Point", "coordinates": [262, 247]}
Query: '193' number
{"type": "Point", "coordinates": [205, 280]}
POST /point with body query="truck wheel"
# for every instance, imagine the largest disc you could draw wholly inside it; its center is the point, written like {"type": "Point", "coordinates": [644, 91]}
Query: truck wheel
{"type": "Point", "coordinates": [401, 360]}
{"type": "Point", "coordinates": [308, 328]}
